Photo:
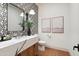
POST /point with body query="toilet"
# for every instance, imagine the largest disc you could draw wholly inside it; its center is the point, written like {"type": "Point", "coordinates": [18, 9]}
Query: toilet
{"type": "Point", "coordinates": [41, 46]}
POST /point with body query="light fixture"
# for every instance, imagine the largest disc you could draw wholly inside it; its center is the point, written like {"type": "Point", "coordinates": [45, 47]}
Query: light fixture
{"type": "Point", "coordinates": [22, 14]}
{"type": "Point", "coordinates": [31, 12]}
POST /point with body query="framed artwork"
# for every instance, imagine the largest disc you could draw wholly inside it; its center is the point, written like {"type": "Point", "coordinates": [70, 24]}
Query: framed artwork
{"type": "Point", "coordinates": [58, 24]}
{"type": "Point", "coordinates": [53, 24]}
{"type": "Point", "coordinates": [46, 25]}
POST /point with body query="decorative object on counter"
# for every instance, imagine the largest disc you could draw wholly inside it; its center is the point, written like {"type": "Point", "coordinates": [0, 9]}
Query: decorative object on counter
{"type": "Point", "coordinates": [29, 24]}
{"type": "Point", "coordinates": [2, 38]}
{"type": "Point", "coordinates": [5, 38]}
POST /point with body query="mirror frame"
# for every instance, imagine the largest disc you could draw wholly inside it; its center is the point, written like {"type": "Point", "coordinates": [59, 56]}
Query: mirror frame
{"type": "Point", "coordinates": [12, 32]}
{"type": "Point", "coordinates": [26, 7]}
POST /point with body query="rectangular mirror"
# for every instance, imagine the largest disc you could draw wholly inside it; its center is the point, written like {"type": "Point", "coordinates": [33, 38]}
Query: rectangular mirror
{"type": "Point", "coordinates": [14, 18]}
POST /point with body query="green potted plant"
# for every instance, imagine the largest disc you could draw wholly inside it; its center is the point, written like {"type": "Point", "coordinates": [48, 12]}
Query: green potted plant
{"type": "Point", "coordinates": [29, 24]}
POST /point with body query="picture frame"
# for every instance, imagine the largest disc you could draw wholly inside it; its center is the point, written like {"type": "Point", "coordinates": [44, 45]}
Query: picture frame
{"type": "Point", "coordinates": [52, 24]}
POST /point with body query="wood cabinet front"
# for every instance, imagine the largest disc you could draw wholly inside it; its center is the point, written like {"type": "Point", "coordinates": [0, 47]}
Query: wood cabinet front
{"type": "Point", "coordinates": [31, 51]}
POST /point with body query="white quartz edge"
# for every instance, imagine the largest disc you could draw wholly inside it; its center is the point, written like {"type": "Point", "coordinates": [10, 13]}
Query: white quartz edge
{"type": "Point", "coordinates": [14, 41]}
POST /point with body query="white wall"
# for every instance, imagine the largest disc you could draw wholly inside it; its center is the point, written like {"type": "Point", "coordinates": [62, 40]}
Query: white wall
{"type": "Point", "coordinates": [51, 10]}
{"type": "Point", "coordinates": [74, 36]}
{"type": "Point", "coordinates": [70, 37]}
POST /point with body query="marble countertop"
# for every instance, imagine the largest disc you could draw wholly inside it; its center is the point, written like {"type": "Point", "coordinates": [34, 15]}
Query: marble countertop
{"type": "Point", "coordinates": [16, 40]}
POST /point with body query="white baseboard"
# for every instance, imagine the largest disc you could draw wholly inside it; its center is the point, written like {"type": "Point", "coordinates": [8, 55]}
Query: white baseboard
{"type": "Point", "coordinates": [59, 48]}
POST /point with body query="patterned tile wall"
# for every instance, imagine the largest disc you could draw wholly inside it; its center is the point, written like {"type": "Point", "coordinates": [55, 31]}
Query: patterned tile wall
{"type": "Point", "coordinates": [4, 19]}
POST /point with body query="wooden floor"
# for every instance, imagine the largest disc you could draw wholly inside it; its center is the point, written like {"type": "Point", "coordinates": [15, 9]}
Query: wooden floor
{"type": "Point", "coordinates": [53, 52]}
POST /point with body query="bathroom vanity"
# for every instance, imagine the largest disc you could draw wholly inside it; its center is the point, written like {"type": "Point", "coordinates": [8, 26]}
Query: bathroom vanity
{"type": "Point", "coordinates": [9, 48]}
{"type": "Point", "coordinates": [10, 24]}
